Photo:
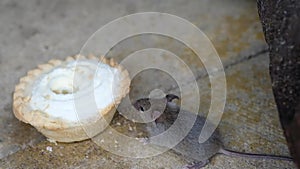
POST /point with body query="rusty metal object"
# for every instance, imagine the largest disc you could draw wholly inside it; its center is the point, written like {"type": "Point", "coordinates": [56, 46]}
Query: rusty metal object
{"type": "Point", "coordinates": [281, 25]}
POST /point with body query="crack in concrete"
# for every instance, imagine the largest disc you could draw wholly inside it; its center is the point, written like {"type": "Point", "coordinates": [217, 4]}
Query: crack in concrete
{"type": "Point", "coordinates": [203, 73]}
{"type": "Point", "coordinates": [246, 58]}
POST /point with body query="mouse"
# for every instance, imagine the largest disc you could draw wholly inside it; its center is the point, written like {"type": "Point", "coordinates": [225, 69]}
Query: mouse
{"type": "Point", "coordinates": [197, 154]}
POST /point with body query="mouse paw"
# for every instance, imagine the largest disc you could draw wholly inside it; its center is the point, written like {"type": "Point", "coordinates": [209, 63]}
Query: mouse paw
{"type": "Point", "coordinates": [196, 165]}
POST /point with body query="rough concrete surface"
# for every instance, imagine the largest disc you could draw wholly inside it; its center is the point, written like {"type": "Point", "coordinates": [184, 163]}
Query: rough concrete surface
{"type": "Point", "coordinates": [32, 32]}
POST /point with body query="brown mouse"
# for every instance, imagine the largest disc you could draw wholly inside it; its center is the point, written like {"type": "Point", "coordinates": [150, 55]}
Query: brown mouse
{"type": "Point", "coordinates": [189, 147]}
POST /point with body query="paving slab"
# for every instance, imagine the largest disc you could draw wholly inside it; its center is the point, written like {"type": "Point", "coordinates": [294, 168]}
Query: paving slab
{"type": "Point", "coordinates": [249, 124]}
{"type": "Point", "coordinates": [33, 32]}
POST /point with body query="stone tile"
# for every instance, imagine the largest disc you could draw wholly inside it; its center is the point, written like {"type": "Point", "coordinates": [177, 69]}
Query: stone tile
{"type": "Point", "coordinates": [249, 124]}
{"type": "Point", "coordinates": [36, 31]}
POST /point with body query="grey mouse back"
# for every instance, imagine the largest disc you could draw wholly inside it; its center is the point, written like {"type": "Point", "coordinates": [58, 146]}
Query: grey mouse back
{"type": "Point", "coordinates": [190, 146]}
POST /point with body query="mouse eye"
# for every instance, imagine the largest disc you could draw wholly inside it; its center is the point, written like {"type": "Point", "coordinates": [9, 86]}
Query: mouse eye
{"type": "Point", "coordinates": [142, 109]}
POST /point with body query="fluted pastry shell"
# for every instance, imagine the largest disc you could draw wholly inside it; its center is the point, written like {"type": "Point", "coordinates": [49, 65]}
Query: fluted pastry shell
{"type": "Point", "coordinates": [57, 128]}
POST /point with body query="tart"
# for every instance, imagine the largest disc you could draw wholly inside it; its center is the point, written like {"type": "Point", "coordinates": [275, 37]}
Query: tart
{"type": "Point", "coordinates": [71, 100]}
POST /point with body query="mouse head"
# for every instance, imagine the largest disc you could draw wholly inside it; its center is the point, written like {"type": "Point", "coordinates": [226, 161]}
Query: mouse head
{"type": "Point", "coordinates": [156, 106]}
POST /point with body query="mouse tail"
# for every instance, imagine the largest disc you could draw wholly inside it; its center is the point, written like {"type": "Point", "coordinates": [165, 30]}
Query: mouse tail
{"type": "Point", "coordinates": [253, 155]}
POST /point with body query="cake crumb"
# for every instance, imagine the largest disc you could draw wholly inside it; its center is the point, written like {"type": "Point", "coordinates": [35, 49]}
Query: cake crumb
{"type": "Point", "coordinates": [48, 148]}
{"type": "Point", "coordinates": [130, 128]}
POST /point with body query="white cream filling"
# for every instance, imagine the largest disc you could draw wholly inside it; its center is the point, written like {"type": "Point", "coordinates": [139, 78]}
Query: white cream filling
{"type": "Point", "coordinates": [75, 91]}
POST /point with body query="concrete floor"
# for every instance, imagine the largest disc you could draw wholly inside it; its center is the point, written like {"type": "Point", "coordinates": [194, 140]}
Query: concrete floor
{"type": "Point", "coordinates": [33, 32]}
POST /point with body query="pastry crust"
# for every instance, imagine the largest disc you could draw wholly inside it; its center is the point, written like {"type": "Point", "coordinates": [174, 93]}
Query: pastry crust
{"type": "Point", "coordinates": [58, 129]}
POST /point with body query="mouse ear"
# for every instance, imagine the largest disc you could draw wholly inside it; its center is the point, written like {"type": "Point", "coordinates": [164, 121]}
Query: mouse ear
{"type": "Point", "coordinates": [141, 104]}
{"type": "Point", "coordinates": [138, 106]}
{"type": "Point", "coordinates": [171, 97]}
